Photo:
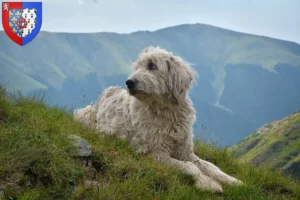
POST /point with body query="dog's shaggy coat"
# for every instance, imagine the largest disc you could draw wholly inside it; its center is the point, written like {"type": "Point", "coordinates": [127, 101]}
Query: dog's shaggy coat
{"type": "Point", "coordinates": [156, 115]}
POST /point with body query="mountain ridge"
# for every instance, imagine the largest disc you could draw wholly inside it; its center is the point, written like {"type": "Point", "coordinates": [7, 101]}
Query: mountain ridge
{"type": "Point", "coordinates": [173, 26]}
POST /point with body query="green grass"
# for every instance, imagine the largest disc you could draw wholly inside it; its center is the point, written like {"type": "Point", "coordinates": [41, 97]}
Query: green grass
{"type": "Point", "coordinates": [277, 144]}
{"type": "Point", "coordinates": [36, 162]}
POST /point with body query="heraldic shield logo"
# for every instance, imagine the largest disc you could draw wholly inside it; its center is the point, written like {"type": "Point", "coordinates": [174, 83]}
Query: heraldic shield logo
{"type": "Point", "coordinates": [22, 21]}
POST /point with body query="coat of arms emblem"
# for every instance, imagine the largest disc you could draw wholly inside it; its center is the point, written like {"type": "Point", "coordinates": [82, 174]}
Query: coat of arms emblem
{"type": "Point", "coordinates": [22, 21]}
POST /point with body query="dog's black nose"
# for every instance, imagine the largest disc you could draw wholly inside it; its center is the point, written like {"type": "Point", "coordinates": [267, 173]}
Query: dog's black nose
{"type": "Point", "coordinates": [130, 84]}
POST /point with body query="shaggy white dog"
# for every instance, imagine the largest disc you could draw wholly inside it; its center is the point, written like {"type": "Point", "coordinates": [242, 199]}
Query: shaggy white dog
{"type": "Point", "coordinates": [156, 115]}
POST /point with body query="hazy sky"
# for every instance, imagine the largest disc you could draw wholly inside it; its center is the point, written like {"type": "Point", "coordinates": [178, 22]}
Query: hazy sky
{"type": "Point", "coordinates": [274, 18]}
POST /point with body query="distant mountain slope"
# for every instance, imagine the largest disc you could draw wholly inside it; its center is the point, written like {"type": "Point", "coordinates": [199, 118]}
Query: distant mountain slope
{"type": "Point", "coordinates": [276, 144]}
{"type": "Point", "coordinates": [241, 76]}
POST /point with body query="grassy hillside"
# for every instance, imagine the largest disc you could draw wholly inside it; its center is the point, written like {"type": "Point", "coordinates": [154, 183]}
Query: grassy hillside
{"type": "Point", "coordinates": [276, 144]}
{"type": "Point", "coordinates": [37, 162]}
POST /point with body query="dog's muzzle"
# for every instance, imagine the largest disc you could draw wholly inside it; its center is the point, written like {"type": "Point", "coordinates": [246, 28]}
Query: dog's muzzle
{"type": "Point", "coordinates": [131, 85]}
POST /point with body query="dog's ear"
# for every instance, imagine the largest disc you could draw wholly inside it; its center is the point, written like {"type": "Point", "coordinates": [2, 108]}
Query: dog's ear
{"type": "Point", "coordinates": [180, 77]}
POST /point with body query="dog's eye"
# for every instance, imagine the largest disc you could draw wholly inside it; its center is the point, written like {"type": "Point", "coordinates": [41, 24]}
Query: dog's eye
{"type": "Point", "coordinates": [151, 66]}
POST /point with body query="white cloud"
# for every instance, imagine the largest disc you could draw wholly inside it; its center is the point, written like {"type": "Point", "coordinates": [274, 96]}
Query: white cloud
{"type": "Point", "coordinates": [87, 1]}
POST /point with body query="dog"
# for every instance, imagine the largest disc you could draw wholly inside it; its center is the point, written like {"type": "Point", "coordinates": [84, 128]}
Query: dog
{"type": "Point", "coordinates": [155, 114]}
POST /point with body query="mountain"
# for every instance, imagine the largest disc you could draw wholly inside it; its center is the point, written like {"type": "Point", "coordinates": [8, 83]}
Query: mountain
{"type": "Point", "coordinates": [244, 80]}
{"type": "Point", "coordinates": [276, 144]}
{"type": "Point", "coordinates": [40, 160]}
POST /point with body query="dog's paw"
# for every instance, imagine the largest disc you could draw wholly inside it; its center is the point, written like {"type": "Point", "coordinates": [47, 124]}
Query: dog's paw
{"type": "Point", "coordinates": [234, 181]}
{"type": "Point", "coordinates": [238, 182]}
{"type": "Point", "coordinates": [211, 186]}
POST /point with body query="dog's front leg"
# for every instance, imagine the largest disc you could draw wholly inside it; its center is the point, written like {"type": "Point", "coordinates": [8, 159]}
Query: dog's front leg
{"type": "Point", "coordinates": [201, 180]}
{"type": "Point", "coordinates": [213, 171]}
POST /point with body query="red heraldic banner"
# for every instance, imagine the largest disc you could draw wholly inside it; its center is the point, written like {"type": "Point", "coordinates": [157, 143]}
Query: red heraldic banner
{"type": "Point", "coordinates": [5, 20]}
{"type": "Point", "coordinates": [22, 21]}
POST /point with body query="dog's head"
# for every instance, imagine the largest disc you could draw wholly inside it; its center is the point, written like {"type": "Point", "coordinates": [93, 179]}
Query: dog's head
{"type": "Point", "coordinates": [158, 73]}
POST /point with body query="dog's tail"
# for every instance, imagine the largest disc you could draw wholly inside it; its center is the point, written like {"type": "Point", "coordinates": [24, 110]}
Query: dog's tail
{"type": "Point", "coordinates": [87, 116]}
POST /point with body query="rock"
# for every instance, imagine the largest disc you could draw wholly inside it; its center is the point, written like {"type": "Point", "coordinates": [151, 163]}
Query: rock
{"type": "Point", "coordinates": [1, 193]}
{"type": "Point", "coordinates": [83, 147]}
{"type": "Point", "coordinates": [88, 183]}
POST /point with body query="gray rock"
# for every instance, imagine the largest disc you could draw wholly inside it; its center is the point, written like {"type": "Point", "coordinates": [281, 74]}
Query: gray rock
{"type": "Point", "coordinates": [83, 147]}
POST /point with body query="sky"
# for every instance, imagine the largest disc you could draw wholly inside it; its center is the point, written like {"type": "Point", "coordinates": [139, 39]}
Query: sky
{"type": "Point", "coordinates": [274, 18]}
